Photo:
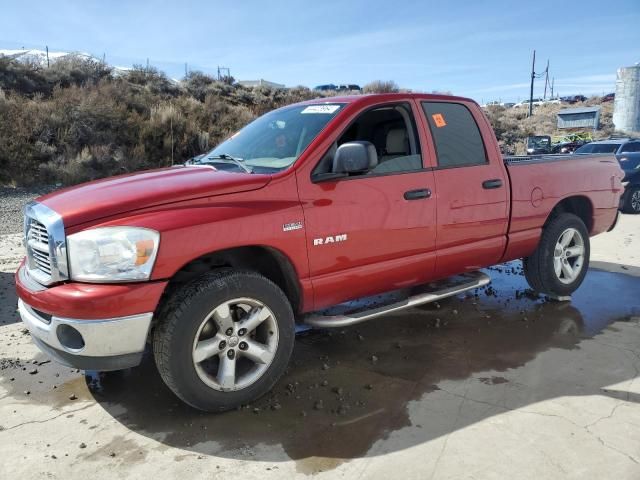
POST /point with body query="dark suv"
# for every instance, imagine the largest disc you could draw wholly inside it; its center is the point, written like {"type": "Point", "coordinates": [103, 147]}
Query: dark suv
{"type": "Point", "coordinates": [627, 151]}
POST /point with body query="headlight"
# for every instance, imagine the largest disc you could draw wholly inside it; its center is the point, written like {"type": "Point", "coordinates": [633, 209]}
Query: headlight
{"type": "Point", "coordinates": [112, 254]}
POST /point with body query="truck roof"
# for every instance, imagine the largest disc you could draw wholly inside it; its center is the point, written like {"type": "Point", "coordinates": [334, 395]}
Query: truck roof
{"type": "Point", "coordinates": [368, 97]}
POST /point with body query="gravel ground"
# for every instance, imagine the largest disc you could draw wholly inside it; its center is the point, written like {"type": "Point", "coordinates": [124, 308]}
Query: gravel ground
{"type": "Point", "coordinates": [12, 201]}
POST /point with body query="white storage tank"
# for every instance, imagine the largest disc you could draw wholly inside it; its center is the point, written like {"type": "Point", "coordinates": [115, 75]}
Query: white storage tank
{"type": "Point", "coordinates": [626, 109]}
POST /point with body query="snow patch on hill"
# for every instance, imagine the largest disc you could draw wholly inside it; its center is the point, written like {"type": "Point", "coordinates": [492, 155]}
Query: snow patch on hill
{"type": "Point", "coordinates": [39, 57]}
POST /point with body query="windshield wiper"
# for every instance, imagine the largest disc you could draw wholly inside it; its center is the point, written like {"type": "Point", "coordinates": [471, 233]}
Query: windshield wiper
{"type": "Point", "coordinates": [223, 156]}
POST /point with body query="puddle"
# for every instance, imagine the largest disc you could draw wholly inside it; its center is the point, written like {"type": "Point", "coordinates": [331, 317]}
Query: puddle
{"type": "Point", "coordinates": [321, 417]}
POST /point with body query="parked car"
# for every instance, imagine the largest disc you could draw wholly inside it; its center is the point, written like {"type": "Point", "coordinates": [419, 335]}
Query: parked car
{"type": "Point", "coordinates": [306, 208]}
{"type": "Point", "coordinates": [627, 151]}
{"type": "Point", "coordinates": [609, 97]}
{"type": "Point", "coordinates": [566, 147]}
{"type": "Point", "coordinates": [352, 87]}
{"type": "Point", "coordinates": [525, 103]}
{"type": "Point", "coordinates": [329, 87]}
{"type": "Point", "coordinates": [538, 144]}
{"type": "Point", "coordinates": [573, 98]}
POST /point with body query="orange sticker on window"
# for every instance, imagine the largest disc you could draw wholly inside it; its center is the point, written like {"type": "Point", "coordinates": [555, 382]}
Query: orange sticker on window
{"type": "Point", "coordinates": [438, 119]}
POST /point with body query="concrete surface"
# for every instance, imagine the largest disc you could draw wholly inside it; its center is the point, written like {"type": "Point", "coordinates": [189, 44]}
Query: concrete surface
{"type": "Point", "coordinates": [498, 385]}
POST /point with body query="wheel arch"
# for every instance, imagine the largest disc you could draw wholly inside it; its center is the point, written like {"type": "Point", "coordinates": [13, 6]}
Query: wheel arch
{"type": "Point", "coordinates": [265, 260]}
{"type": "Point", "coordinates": [579, 205]}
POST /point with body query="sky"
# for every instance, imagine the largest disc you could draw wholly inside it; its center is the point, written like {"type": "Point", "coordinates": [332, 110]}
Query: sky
{"type": "Point", "coordinates": [475, 48]}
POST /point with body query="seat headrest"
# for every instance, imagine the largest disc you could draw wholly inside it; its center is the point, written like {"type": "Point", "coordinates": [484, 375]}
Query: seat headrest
{"type": "Point", "coordinates": [396, 140]}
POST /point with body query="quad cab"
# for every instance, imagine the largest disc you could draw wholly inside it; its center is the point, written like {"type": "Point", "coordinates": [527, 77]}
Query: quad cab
{"type": "Point", "coordinates": [292, 220]}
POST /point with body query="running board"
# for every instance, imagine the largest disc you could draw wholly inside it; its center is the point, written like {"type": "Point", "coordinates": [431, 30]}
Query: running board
{"type": "Point", "coordinates": [352, 313]}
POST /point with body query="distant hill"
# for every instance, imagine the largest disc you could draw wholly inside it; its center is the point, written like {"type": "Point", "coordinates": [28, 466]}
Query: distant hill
{"type": "Point", "coordinates": [39, 57]}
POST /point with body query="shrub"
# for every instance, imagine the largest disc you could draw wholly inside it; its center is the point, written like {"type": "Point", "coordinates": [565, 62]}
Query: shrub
{"type": "Point", "coordinates": [381, 86]}
{"type": "Point", "coordinates": [78, 121]}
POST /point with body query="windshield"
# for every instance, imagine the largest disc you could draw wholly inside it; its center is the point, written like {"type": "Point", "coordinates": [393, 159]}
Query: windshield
{"type": "Point", "coordinates": [538, 142]}
{"type": "Point", "coordinates": [275, 140]}
{"type": "Point", "coordinates": [598, 148]}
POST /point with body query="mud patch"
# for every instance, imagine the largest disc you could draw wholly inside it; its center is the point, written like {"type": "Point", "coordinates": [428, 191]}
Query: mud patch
{"type": "Point", "coordinates": [347, 389]}
{"type": "Point", "coordinates": [323, 416]}
{"type": "Point", "coordinates": [493, 380]}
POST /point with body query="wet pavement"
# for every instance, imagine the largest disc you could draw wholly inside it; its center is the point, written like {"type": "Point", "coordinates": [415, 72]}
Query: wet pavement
{"type": "Point", "coordinates": [355, 392]}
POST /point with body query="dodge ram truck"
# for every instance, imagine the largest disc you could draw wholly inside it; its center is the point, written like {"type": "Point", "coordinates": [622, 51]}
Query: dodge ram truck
{"type": "Point", "coordinates": [295, 219]}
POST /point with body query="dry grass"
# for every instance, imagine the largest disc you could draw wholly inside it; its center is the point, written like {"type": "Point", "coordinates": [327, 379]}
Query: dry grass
{"type": "Point", "coordinates": [78, 121]}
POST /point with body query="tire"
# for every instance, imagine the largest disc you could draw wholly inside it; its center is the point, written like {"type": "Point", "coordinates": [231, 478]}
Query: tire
{"type": "Point", "coordinates": [211, 311]}
{"type": "Point", "coordinates": [541, 268]}
{"type": "Point", "coordinates": [632, 200]}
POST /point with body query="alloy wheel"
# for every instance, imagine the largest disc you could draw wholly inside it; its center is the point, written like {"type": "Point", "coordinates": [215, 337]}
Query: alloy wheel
{"type": "Point", "coordinates": [235, 344]}
{"type": "Point", "coordinates": [568, 255]}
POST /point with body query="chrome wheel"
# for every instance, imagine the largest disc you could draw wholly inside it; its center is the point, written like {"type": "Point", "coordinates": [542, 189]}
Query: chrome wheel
{"type": "Point", "coordinates": [235, 344]}
{"type": "Point", "coordinates": [635, 201]}
{"type": "Point", "coordinates": [568, 255]}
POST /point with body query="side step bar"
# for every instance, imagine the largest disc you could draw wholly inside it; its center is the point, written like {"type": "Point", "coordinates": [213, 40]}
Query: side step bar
{"type": "Point", "coordinates": [421, 295]}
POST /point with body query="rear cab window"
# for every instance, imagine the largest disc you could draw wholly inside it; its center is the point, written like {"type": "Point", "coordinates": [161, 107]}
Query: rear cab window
{"type": "Point", "coordinates": [456, 136]}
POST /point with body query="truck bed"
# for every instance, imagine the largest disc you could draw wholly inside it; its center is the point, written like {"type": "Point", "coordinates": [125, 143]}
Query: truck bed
{"type": "Point", "coordinates": [542, 158]}
{"type": "Point", "coordinates": [539, 182]}
{"type": "Point", "coordinates": [521, 159]}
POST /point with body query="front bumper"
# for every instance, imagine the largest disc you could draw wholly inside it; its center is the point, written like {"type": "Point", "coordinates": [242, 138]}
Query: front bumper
{"type": "Point", "coordinates": [105, 344]}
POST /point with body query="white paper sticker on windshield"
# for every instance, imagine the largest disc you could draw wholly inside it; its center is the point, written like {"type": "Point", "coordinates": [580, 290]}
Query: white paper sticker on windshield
{"type": "Point", "coordinates": [321, 109]}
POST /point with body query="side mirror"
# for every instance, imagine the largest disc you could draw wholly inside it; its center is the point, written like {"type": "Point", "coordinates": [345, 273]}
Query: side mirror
{"type": "Point", "coordinates": [354, 157]}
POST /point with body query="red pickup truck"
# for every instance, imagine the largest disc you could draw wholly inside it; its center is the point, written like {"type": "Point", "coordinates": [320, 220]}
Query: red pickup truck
{"type": "Point", "coordinates": [292, 220]}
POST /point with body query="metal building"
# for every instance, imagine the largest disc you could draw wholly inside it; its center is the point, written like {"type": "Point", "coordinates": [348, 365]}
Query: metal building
{"type": "Point", "coordinates": [261, 83]}
{"type": "Point", "coordinates": [626, 109]}
{"type": "Point", "coordinates": [585, 117]}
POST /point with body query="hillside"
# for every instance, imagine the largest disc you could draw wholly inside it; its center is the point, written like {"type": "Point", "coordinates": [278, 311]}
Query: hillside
{"type": "Point", "coordinates": [80, 120]}
{"type": "Point", "coordinates": [512, 126]}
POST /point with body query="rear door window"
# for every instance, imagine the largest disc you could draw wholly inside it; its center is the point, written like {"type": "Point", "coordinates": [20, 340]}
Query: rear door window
{"type": "Point", "coordinates": [455, 133]}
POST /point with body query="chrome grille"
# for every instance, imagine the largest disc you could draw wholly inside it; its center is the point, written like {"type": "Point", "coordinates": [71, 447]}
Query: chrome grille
{"type": "Point", "coordinates": [45, 244]}
{"type": "Point", "coordinates": [38, 242]}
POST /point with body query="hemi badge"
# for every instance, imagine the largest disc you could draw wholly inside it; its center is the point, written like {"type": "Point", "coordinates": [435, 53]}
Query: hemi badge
{"type": "Point", "coordinates": [287, 227]}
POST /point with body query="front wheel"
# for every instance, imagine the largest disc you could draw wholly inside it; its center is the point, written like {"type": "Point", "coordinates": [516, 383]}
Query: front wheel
{"type": "Point", "coordinates": [560, 262]}
{"type": "Point", "coordinates": [224, 340]}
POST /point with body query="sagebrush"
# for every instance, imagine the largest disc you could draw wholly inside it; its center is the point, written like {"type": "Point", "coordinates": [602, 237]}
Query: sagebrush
{"type": "Point", "coordinates": [78, 120]}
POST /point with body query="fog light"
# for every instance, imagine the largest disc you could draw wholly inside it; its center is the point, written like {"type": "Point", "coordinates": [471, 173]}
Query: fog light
{"type": "Point", "coordinates": [69, 337]}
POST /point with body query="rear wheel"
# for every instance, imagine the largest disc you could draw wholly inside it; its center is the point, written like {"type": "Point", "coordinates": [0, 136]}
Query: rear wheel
{"type": "Point", "coordinates": [224, 340]}
{"type": "Point", "coordinates": [632, 200]}
{"type": "Point", "coordinates": [560, 262]}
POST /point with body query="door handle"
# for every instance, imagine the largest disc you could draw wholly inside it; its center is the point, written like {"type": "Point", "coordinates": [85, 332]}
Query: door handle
{"type": "Point", "coordinates": [493, 183]}
{"type": "Point", "coordinates": [417, 194]}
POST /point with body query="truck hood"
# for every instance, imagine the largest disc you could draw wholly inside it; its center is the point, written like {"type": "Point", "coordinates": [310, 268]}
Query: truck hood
{"type": "Point", "coordinates": [126, 193]}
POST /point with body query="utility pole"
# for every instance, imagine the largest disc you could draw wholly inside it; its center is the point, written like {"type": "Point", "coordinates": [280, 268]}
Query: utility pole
{"type": "Point", "coordinates": [47, 48]}
{"type": "Point", "coordinates": [546, 80]}
{"type": "Point", "coordinates": [533, 76]}
{"type": "Point", "coordinates": [186, 70]}
{"type": "Point", "coordinates": [553, 81]}
{"type": "Point", "coordinates": [171, 120]}
{"type": "Point", "coordinates": [222, 71]}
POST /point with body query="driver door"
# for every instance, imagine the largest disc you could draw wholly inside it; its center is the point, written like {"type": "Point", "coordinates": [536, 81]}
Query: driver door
{"type": "Point", "coordinates": [375, 231]}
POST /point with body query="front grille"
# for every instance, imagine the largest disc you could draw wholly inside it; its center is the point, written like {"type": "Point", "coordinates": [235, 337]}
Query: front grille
{"type": "Point", "coordinates": [38, 243]}
{"type": "Point", "coordinates": [45, 244]}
